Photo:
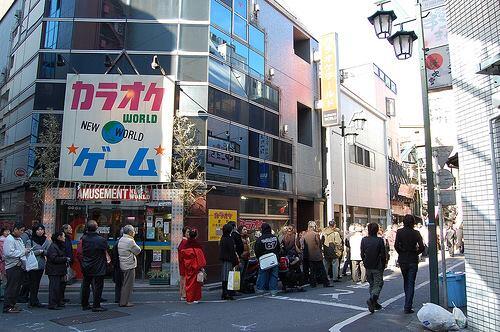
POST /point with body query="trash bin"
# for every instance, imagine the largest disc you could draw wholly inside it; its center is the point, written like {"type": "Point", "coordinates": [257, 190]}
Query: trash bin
{"type": "Point", "coordinates": [456, 288]}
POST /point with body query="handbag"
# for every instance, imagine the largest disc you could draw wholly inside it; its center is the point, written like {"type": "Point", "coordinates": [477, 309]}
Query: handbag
{"type": "Point", "coordinates": [268, 261]}
{"type": "Point", "coordinates": [31, 262]}
{"type": "Point", "coordinates": [233, 280]}
{"type": "Point", "coordinates": [202, 275]}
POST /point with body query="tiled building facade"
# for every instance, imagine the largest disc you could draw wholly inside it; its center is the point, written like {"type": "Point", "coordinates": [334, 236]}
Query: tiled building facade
{"type": "Point", "coordinates": [474, 35]}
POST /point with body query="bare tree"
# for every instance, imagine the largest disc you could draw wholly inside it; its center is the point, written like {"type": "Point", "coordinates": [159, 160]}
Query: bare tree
{"type": "Point", "coordinates": [47, 162]}
{"type": "Point", "coordinates": [187, 173]}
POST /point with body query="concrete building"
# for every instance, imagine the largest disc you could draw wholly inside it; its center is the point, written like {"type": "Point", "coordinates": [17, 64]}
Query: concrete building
{"type": "Point", "coordinates": [474, 38]}
{"type": "Point", "coordinates": [245, 65]}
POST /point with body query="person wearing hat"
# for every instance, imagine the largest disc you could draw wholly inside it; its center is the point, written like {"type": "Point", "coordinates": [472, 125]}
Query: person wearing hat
{"type": "Point", "coordinates": [358, 267]}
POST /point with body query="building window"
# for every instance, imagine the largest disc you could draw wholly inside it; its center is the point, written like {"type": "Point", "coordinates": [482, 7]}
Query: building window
{"type": "Point", "coordinates": [389, 143]}
{"type": "Point", "coordinates": [256, 38]}
{"type": "Point", "coordinates": [304, 124]}
{"type": "Point", "coordinates": [220, 16]}
{"type": "Point", "coordinates": [301, 45]}
{"type": "Point", "coordinates": [390, 106]}
{"type": "Point", "coordinates": [240, 27]}
{"type": "Point", "coordinates": [361, 156]}
{"type": "Point", "coordinates": [252, 205]}
{"type": "Point", "coordinates": [240, 8]}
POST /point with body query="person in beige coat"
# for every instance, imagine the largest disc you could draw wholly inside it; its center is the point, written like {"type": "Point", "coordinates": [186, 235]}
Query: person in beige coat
{"type": "Point", "coordinates": [127, 252]}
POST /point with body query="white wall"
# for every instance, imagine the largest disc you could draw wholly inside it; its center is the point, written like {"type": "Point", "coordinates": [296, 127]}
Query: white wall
{"type": "Point", "coordinates": [365, 187]}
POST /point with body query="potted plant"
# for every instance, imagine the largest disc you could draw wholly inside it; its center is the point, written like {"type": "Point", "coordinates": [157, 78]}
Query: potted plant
{"type": "Point", "coordinates": [157, 277]}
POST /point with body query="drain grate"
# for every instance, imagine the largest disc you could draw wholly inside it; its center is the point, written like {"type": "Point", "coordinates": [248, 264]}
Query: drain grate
{"type": "Point", "coordinates": [89, 317]}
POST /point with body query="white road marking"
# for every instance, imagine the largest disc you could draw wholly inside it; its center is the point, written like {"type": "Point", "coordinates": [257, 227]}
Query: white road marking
{"type": "Point", "coordinates": [175, 314]}
{"type": "Point", "coordinates": [332, 304]}
{"type": "Point", "coordinates": [245, 327]}
{"type": "Point", "coordinates": [337, 327]}
{"type": "Point", "coordinates": [335, 296]}
{"type": "Point", "coordinates": [72, 328]}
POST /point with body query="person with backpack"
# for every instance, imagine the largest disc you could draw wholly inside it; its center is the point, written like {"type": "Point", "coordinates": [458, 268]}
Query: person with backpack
{"type": "Point", "coordinates": [127, 252]}
{"type": "Point", "coordinates": [374, 256]}
{"type": "Point", "coordinates": [332, 250]}
{"type": "Point", "coordinates": [39, 244]}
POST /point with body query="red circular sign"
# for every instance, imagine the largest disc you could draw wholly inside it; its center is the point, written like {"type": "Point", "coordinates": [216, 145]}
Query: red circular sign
{"type": "Point", "coordinates": [434, 61]}
{"type": "Point", "coordinates": [20, 172]}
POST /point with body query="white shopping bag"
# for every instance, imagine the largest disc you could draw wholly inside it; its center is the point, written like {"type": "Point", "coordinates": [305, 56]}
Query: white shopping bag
{"type": "Point", "coordinates": [460, 318]}
{"type": "Point", "coordinates": [233, 280]}
{"type": "Point", "coordinates": [31, 262]}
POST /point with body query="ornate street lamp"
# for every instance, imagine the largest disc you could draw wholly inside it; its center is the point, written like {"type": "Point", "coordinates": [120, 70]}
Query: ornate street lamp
{"type": "Point", "coordinates": [382, 22]}
{"type": "Point", "coordinates": [402, 41]}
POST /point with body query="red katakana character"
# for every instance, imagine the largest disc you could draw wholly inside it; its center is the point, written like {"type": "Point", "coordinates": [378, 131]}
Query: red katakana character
{"type": "Point", "coordinates": [158, 93]}
{"type": "Point", "coordinates": [133, 95]}
{"type": "Point", "coordinates": [109, 95]}
{"type": "Point", "coordinates": [78, 87]}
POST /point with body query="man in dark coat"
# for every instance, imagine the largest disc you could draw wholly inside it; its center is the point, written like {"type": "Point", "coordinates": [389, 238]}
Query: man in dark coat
{"type": "Point", "coordinates": [94, 264]}
{"type": "Point", "coordinates": [267, 243]}
{"type": "Point", "coordinates": [68, 245]}
{"type": "Point", "coordinates": [408, 245]}
{"type": "Point", "coordinates": [236, 236]}
{"type": "Point", "coordinates": [374, 257]}
{"type": "Point", "coordinates": [312, 242]}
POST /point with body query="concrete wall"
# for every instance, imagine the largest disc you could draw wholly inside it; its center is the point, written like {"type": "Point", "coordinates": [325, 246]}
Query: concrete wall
{"type": "Point", "coordinates": [297, 81]}
{"type": "Point", "coordinates": [474, 30]}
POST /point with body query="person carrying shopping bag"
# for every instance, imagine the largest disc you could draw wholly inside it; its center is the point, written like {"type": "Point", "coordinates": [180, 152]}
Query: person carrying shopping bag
{"type": "Point", "coordinates": [194, 262]}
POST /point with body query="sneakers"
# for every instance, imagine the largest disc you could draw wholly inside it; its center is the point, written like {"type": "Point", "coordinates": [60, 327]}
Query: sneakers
{"type": "Point", "coordinates": [409, 311]}
{"type": "Point", "coordinates": [371, 308]}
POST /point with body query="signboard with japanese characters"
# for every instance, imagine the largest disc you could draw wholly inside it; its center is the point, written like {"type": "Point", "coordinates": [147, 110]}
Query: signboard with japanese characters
{"type": "Point", "coordinates": [330, 80]}
{"type": "Point", "coordinates": [117, 128]}
{"type": "Point", "coordinates": [437, 63]}
{"type": "Point", "coordinates": [216, 220]}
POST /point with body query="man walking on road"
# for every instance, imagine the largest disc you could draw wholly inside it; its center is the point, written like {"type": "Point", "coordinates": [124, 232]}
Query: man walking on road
{"type": "Point", "coordinates": [374, 258]}
{"type": "Point", "coordinates": [94, 263]}
{"type": "Point", "coordinates": [409, 245]}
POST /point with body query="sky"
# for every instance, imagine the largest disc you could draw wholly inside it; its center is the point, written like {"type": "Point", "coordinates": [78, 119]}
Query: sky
{"type": "Point", "coordinates": [359, 45]}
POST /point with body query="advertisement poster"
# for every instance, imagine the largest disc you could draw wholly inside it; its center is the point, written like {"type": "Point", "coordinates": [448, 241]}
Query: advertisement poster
{"type": "Point", "coordinates": [217, 219]}
{"type": "Point", "coordinates": [437, 63]}
{"type": "Point", "coordinates": [156, 255]}
{"type": "Point", "coordinates": [330, 80]}
{"type": "Point", "coordinates": [117, 128]}
{"type": "Point", "coordinates": [159, 222]}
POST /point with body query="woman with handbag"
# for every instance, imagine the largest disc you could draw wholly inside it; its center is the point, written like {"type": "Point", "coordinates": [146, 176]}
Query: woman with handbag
{"type": "Point", "coordinates": [193, 261]}
{"type": "Point", "coordinates": [229, 259]}
{"type": "Point", "coordinates": [39, 244]}
{"type": "Point", "coordinates": [56, 269]}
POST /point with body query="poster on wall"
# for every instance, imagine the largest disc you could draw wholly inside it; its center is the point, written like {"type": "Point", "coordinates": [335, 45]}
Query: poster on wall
{"type": "Point", "coordinates": [217, 219]}
{"type": "Point", "coordinates": [117, 128]}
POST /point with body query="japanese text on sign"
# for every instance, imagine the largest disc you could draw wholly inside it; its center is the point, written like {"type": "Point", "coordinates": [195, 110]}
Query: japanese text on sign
{"type": "Point", "coordinates": [217, 219]}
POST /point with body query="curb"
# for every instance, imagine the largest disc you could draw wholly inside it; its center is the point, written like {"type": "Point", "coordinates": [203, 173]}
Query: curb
{"type": "Point", "coordinates": [140, 289]}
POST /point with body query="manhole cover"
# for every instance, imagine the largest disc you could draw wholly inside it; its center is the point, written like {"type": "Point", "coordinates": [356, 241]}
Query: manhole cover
{"type": "Point", "coordinates": [88, 318]}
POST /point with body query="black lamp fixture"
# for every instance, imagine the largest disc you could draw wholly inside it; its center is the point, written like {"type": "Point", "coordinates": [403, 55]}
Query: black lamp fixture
{"type": "Point", "coordinates": [382, 21]}
{"type": "Point", "coordinates": [402, 41]}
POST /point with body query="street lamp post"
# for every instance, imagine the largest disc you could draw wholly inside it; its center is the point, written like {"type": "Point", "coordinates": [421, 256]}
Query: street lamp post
{"type": "Point", "coordinates": [358, 123]}
{"type": "Point", "coordinates": [402, 42]}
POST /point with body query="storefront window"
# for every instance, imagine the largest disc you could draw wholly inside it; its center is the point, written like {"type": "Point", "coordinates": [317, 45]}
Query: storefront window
{"type": "Point", "coordinates": [220, 16]}
{"type": "Point", "coordinates": [252, 205]}
{"type": "Point", "coordinates": [277, 207]}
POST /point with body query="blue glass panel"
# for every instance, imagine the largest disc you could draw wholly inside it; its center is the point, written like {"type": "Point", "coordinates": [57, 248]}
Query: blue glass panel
{"type": "Point", "coordinates": [256, 38]}
{"type": "Point", "coordinates": [218, 74]}
{"type": "Point", "coordinates": [256, 62]}
{"type": "Point", "coordinates": [220, 16]}
{"type": "Point", "coordinates": [219, 43]}
{"type": "Point", "coordinates": [240, 7]}
{"type": "Point", "coordinates": [240, 27]}
{"type": "Point", "coordinates": [239, 56]}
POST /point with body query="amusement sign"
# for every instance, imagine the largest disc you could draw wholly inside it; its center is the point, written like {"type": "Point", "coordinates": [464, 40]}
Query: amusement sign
{"type": "Point", "coordinates": [117, 128]}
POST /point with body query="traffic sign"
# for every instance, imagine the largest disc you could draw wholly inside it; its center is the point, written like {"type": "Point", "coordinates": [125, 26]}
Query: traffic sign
{"type": "Point", "coordinates": [446, 197]}
{"type": "Point", "coordinates": [442, 153]}
{"type": "Point", "coordinates": [445, 179]}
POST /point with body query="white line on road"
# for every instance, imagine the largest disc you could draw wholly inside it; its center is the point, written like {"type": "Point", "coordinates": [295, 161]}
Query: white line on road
{"type": "Point", "coordinates": [333, 304]}
{"type": "Point", "coordinates": [338, 326]}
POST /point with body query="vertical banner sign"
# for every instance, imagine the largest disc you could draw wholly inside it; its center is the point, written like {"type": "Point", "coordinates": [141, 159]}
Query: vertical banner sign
{"type": "Point", "coordinates": [217, 219]}
{"type": "Point", "coordinates": [117, 128]}
{"type": "Point", "coordinates": [438, 66]}
{"type": "Point", "coordinates": [330, 80]}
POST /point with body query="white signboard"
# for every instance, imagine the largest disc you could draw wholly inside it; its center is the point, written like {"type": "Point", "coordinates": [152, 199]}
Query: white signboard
{"type": "Point", "coordinates": [437, 63]}
{"type": "Point", "coordinates": [435, 30]}
{"type": "Point", "coordinates": [117, 128]}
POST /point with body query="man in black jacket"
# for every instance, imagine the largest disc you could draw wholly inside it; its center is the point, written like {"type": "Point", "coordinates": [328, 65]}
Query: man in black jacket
{"type": "Point", "coordinates": [94, 263]}
{"type": "Point", "coordinates": [267, 243]}
{"type": "Point", "coordinates": [236, 236]}
{"type": "Point", "coordinates": [409, 245]}
{"type": "Point", "coordinates": [374, 258]}
{"type": "Point", "coordinates": [68, 245]}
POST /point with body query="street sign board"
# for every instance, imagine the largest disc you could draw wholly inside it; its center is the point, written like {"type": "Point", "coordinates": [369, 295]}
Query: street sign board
{"type": "Point", "coordinates": [447, 197]}
{"type": "Point", "coordinates": [442, 153]}
{"type": "Point", "coordinates": [445, 179]}
{"type": "Point", "coordinates": [330, 80]}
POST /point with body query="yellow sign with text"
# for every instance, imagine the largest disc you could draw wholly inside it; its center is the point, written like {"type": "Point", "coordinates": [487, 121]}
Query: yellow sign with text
{"type": "Point", "coordinates": [330, 80]}
{"type": "Point", "coordinates": [217, 219]}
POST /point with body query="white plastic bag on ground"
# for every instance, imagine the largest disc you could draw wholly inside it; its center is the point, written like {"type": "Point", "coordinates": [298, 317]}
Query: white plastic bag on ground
{"type": "Point", "coordinates": [436, 318]}
{"type": "Point", "coordinates": [460, 318]}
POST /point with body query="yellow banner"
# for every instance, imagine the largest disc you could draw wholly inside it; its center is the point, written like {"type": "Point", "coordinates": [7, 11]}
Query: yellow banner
{"type": "Point", "coordinates": [217, 219]}
{"type": "Point", "coordinates": [329, 80]}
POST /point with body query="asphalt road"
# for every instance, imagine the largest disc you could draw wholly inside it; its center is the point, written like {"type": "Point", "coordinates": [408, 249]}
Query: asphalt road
{"type": "Point", "coordinates": [342, 308]}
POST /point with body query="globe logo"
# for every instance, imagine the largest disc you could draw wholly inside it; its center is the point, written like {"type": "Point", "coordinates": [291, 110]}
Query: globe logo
{"type": "Point", "coordinates": [112, 132]}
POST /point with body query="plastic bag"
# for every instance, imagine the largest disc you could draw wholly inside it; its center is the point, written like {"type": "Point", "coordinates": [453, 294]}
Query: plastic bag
{"type": "Point", "coordinates": [31, 262]}
{"type": "Point", "coordinates": [460, 318]}
{"type": "Point", "coordinates": [233, 280]}
{"type": "Point", "coordinates": [436, 318]}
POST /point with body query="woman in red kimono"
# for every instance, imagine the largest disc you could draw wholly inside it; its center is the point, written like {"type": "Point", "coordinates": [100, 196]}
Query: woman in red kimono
{"type": "Point", "coordinates": [193, 261]}
{"type": "Point", "coordinates": [182, 273]}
